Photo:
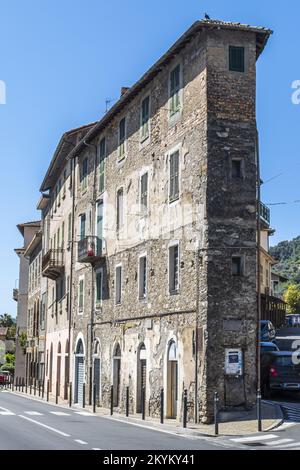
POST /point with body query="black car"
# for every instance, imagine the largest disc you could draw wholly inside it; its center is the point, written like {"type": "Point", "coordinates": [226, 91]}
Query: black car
{"type": "Point", "coordinates": [280, 371]}
{"type": "Point", "coordinates": [267, 331]}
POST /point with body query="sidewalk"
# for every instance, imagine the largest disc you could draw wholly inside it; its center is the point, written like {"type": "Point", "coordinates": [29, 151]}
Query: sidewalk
{"type": "Point", "coordinates": [232, 423]}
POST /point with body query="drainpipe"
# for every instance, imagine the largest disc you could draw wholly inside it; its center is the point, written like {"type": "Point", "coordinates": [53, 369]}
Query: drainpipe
{"type": "Point", "coordinates": [196, 336]}
{"type": "Point", "coordinates": [258, 183]}
{"type": "Point", "coordinates": [93, 227]}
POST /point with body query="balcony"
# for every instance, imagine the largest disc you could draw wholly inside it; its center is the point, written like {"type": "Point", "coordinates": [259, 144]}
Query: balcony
{"type": "Point", "coordinates": [264, 213]}
{"type": "Point", "coordinates": [90, 249]}
{"type": "Point", "coordinates": [15, 294]}
{"type": "Point", "coordinates": [53, 263]}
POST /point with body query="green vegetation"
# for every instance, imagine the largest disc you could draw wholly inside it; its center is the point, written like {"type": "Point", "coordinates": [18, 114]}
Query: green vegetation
{"type": "Point", "coordinates": [288, 255]}
{"type": "Point", "coordinates": [292, 298]}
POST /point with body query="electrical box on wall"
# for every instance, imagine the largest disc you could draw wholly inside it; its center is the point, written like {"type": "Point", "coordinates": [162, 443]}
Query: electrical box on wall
{"type": "Point", "coordinates": [233, 362]}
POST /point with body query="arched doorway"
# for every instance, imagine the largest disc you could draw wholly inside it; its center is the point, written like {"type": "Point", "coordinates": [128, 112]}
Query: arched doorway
{"type": "Point", "coordinates": [50, 367]}
{"type": "Point", "coordinates": [58, 369]}
{"type": "Point", "coordinates": [79, 373]}
{"type": "Point", "coordinates": [116, 374]}
{"type": "Point", "coordinates": [172, 380]}
{"type": "Point", "coordinates": [97, 370]}
{"type": "Point", "coordinates": [67, 363]}
{"type": "Point", "coordinates": [141, 376]}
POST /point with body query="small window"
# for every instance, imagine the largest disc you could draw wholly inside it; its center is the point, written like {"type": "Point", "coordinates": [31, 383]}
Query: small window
{"type": "Point", "coordinates": [99, 287]}
{"type": "Point", "coordinates": [237, 266]}
{"type": "Point", "coordinates": [144, 193]}
{"type": "Point", "coordinates": [145, 117]}
{"type": "Point", "coordinates": [69, 227]}
{"type": "Point", "coordinates": [118, 284]}
{"type": "Point", "coordinates": [83, 174]}
{"type": "Point", "coordinates": [81, 295]}
{"type": "Point", "coordinates": [236, 59]}
{"type": "Point", "coordinates": [120, 209]}
{"type": "Point", "coordinates": [63, 235]}
{"type": "Point", "coordinates": [175, 90]}
{"type": "Point", "coordinates": [174, 269]}
{"type": "Point", "coordinates": [174, 176]}
{"type": "Point", "coordinates": [142, 277]}
{"type": "Point", "coordinates": [122, 138]}
{"type": "Point", "coordinates": [236, 168]}
{"type": "Point", "coordinates": [82, 226]}
{"type": "Point", "coordinates": [102, 152]}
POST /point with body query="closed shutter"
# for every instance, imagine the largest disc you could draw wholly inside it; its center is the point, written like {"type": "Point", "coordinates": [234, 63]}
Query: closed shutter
{"type": "Point", "coordinates": [79, 380]}
{"type": "Point", "coordinates": [97, 379]}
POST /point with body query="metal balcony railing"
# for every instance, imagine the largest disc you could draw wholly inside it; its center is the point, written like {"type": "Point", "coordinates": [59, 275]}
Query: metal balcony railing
{"type": "Point", "coordinates": [90, 249]}
{"type": "Point", "coordinates": [264, 213]}
{"type": "Point", "coordinates": [53, 263]}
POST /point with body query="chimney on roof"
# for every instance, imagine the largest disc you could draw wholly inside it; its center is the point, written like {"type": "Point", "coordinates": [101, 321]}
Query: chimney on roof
{"type": "Point", "coordinates": [124, 90]}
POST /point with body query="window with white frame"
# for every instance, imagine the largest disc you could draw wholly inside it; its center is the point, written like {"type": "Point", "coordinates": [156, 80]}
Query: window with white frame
{"type": "Point", "coordinates": [175, 90]}
{"type": "Point", "coordinates": [102, 153]}
{"type": "Point", "coordinates": [118, 284]}
{"type": "Point", "coordinates": [99, 287]}
{"type": "Point", "coordinates": [142, 277]}
{"type": "Point", "coordinates": [120, 208]}
{"type": "Point", "coordinates": [81, 294]}
{"type": "Point", "coordinates": [122, 138]}
{"type": "Point", "coordinates": [144, 193]}
{"type": "Point", "coordinates": [145, 118]}
{"type": "Point", "coordinates": [174, 269]}
{"type": "Point", "coordinates": [174, 176]}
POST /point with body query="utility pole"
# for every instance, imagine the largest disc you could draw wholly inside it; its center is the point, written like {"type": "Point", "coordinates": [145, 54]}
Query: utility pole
{"type": "Point", "coordinates": [258, 201]}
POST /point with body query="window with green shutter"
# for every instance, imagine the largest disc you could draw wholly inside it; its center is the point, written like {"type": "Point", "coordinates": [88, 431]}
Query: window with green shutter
{"type": "Point", "coordinates": [174, 176]}
{"type": "Point", "coordinates": [82, 226]}
{"type": "Point", "coordinates": [63, 235]}
{"type": "Point", "coordinates": [175, 90]}
{"type": "Point", "coordinates": [174, 269]}
{"type": "Point", "coordinates": [102, 152]}
{"type": "Point", "coordinates": [144, 192]}
{"type": "Point", "coordinates": [99, 284]}
{"type": "Point", "coordinates": [145, 117]}
{"type": "Point", "coordinates": [80, 295]}
{"type": "Point", "coordinates": [70, 227]}
{"type": "Point", "coordinates": [83, 174]}
{"type": "Point", "coordinates": [236, 59]}
{"type": "Point", "coordinates": [122, 138]}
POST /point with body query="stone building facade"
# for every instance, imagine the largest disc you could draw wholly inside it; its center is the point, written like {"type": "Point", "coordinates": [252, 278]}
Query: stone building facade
{"type": "Point", "coordinates": [155, 285]}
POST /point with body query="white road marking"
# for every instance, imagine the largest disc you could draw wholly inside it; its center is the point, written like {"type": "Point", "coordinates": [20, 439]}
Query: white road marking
{"type": "Point", "coordinates": [6, 412]}
{"type": "Point", "coordinates": [33, 413]}
{"type": "Point", "coordinates": [255, 438]}
{"type": "Point", "coordinates": [284, 446]}
{"type": "Point", "coordinates": [45, 426]}
{"type": "Point", "coordinates": [59, 413]}
{"type": "Point", "coordinates": [84, 413]}
{"type": "Point", "coordinates": [96, 448]}
{"type": "Point", "coordinates": [80, 442]}
{"type": "Point", "coordinates": [279, 441]}
{"type": "Point", "coordinates": [286, 425]}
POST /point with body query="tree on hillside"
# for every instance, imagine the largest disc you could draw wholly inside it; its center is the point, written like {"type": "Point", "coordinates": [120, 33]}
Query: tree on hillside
{"type": "Point", "coordinates": [292, 298]}
{"type": "Point", "coordinates": [6, 320]}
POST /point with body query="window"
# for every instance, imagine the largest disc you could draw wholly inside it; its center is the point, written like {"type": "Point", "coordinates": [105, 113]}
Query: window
{"type": "Point", "coordinates": [142, 277]}
{"type": "Point", "coordinates": [122, 138]}
{"type": "Point", "coordinates": [83, 174]}
{"type": "Point", "coordinates": [81, 295]}
{"type": "Point", "coordinates": [118, 284]}
{"type": "Point", "coordinates": [70, 227]}
{"type": "Point", "coordinates": [174, 176]}
{"type": "Point", "coordinates": [99, 287]}
{"type": "Point", "coordinates": [58, 238]}
{"type": "Point", "coordinates": [175, 90]}
{"type": "Point", "coordinates": [144, 192]}
{"type": "Point", "coordinates": [59, 192]}
{"type": "Point", "coordinates": [64, 185]}
{"type": "Point", "coordinates": [236, 59]}
{"type": "Point", "coordinates": [237, 266]}
{"type": "Point", "coordinates": [82, 226]}
{"type": "Point", "coordinates": [102, 152]}
{"type": "Point", "coordinates": [236, 168]}
{"type": "Point", "coordinates": [145, 118]}
{"type": "Point", "coordinates": [63, 235]}
{"type": "Point", "coordinates": [174, 269]}
{"type": "Point", "coordinates": [120, 209]}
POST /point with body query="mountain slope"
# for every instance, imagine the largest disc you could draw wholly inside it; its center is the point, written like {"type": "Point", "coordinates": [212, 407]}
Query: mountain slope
{"type": "Point", "coordinates": [288, 255]}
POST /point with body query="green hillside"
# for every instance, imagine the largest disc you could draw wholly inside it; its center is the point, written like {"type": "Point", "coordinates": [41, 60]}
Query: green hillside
{"type": "Point", "coordinates": [288, 255]}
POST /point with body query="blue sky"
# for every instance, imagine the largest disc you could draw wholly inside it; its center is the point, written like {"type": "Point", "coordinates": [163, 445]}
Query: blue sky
{"type": "Point", "coordinates": [60, 61]}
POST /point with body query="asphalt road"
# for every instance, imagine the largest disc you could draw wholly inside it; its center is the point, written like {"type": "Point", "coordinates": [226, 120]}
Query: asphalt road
{"type": "Point", "coordinates": [33, 425]}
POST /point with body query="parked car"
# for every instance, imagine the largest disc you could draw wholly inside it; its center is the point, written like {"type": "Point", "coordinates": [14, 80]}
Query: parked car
{"type": "Point", "coordinates": [268, 346]}
{"type": "Point", "coordinates": [293, 319]}
{"type": "Point", "coordinates": [280, 372]}
{"type": "Point", "coordinates": [4, 377]}
{"type": "Point", "coordinates": [267, 331]}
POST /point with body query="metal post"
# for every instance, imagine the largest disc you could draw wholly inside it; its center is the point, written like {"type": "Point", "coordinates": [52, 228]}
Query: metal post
{"type": "Point", "coordinates": [48, 390]}
{"type": "Point", "coordinates": [30, 388]}
{"type": "Point", "coordinates": [43, 389]}
{"type": "Point", "coordinates": [39, 388]}
{"type": "Point", "coordinates": [127, 401]}
{"type": "Point", "coordinates": [26, 386]}
{"type": "Point", "coordinates": [94, 398]}
{"type": "Point", "coordinates": [70, 394]}
{"type": "Point", "coordinates": [91, 386]}
{"type": "Point", "coordinates": [13, 385]}
{"type": "Point", "coordinates": [258, 402]}
{"type": "Point", "coordinates": [162, 399]}
{"type": "Point", "coordinates": [34, 387]}
{"type": "Point", "coordinates": [56, 393]}
{"type": "Point", "coordinates": [185, 408]}
{"type": "Point", "coordinates": [216, 413]}
{"type": "Point", "coordinates": [22, 385]}
{"type": "Point", "coordinates": [111, 400]}
{"type": "Point", "coordinates": [143, 403]}
{"type": "Point", "coordinates": [83, 395]}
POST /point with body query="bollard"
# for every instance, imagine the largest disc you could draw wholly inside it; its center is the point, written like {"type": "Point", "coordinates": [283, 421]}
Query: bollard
{"type": "Point", "coordinates": [111, 400]}
{"type": "Point", "coordinates": [83, 395]}
{"type": "Point", "coordinates": [258, 402]}
{"type": "Point", "coordinates": [127, 401]}
{"type": "Point", "coordinates": [39, 388]}
{"type": "Point", "coordinates": [162, 399]}
{"type": "Point", "coordinates": [216, 411]}
{"type": "Point", "coordinates": [17, 383]}
{"type": "Point", "coordinates": [43, 389]}
{"type": "Point", "coordinates": [22, 385]}
{"type": "Point", "coordinates": [185, 408]}
{"type": "Point", "coordinates": [56, 393]}
{"type": "Point", "coordinates": [30, 388]}
{"type": "Point", "coordinates": [70, 394]}
{"type": "Point", "coordinates": [91, 387]}
{"type": "Point", "coordinates": [48, 390]}
{"type": "Point", "coordinates": [13, 385]}
{"type": "Point", "coordinates": [34, 388]}
{"type": "Point", "coordinates": [26, 386]}
{"type": "Point", "coordinates": [143, 403]}
{"type": "Point", "coordinates": [94, 398]}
